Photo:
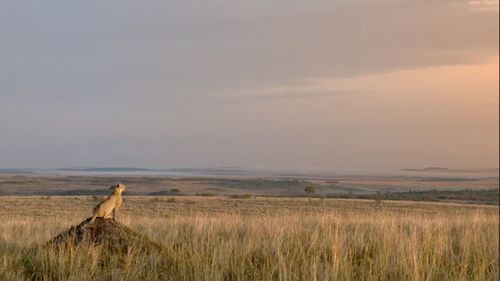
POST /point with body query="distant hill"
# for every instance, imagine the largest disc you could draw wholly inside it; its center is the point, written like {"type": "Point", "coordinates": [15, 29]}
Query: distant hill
{"type": "Point", "coordinates": [447, 170]}
{"type": "Point", "coordinates": [428, 169]}
{"type": "Point", "coordinates": [16, 171]}
{"type": "Point", "coordinates": [107, 169]}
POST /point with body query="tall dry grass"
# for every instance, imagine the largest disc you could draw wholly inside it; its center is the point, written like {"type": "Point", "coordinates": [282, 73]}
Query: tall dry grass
{"type": "Point", "coordinates": [360, 245]}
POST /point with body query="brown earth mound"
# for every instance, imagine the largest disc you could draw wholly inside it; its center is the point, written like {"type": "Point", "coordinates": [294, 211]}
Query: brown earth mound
{"type": "Point", "coordinates": [117, 247]}
{"type": "Point", "coordinates": [105, 232]}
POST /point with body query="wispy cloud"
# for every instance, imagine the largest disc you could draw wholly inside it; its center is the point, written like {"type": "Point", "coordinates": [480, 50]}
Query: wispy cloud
{"type": "Point", "coordinates": [302, 89]}
{"type": "Point", "coordinates": [484, 5]}
{"type": "Point", "coordinates": [303, 94]}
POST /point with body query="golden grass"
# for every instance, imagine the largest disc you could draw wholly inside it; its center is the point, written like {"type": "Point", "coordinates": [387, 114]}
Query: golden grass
{"type": "Point", "coordinates": [247, 240]}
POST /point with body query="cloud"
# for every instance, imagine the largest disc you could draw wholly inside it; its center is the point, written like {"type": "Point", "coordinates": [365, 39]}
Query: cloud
{"type": "Point", "coordinates": [101, 49]}
{"type": "Point", "coordinates": [292, 95]}
{"type": "Point", "coordinates": [484, 5]}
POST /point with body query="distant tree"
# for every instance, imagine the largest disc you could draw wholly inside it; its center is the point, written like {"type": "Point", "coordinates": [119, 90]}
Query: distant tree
{"type": "Point", "coordinates": [176, 190]}
{"type": "Point", "coordinates": [310, 189]}
{"type": "Point", "coordinates": [379, 198]}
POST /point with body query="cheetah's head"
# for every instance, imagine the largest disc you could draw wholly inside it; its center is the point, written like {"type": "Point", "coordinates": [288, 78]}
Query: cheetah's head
{"type": "Point", "coordinates": [118, 187]}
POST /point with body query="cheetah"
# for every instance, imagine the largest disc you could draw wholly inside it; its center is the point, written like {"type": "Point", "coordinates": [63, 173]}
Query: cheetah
{"type": "Point", "coordinates": [109, 206]}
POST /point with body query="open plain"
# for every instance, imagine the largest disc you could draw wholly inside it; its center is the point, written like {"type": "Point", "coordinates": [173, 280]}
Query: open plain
{"type": "Point", "coordinates": [450, 188]}
{"type": "Point", "coordinates": [259, 238]}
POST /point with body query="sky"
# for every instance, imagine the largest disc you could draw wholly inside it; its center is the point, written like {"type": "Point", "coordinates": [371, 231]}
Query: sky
{"type": "Point", "coordinates": [282, 84]}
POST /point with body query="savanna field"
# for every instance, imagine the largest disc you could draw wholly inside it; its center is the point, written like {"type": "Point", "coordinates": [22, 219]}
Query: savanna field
{"type": "Point", "coordinates": [220, 238]}
{"type": "Point", "coordinates": [258, 140]}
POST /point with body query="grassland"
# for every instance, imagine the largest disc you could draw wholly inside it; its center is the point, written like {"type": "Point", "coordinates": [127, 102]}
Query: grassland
{"type": "Point", "coordinates": [450, 189]}
{"type": "Point", "coordinates": [220, 238]}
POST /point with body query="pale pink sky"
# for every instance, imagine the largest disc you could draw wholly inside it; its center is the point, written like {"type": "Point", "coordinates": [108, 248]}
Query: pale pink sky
{"type": "Point", "coordinates": [284, 84]}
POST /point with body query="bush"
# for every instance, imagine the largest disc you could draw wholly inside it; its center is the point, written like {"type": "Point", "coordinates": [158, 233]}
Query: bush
{"type": "Point", "coordinates": [241, 196]}
{"type": "Point", "coordinates": [206, 194]}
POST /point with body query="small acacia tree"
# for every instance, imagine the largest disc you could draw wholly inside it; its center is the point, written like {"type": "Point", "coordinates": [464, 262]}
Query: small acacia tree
{"type": "Point", "coordinates": [379, 198]}
{"type": "Point", "coordinates": [310, 189]}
